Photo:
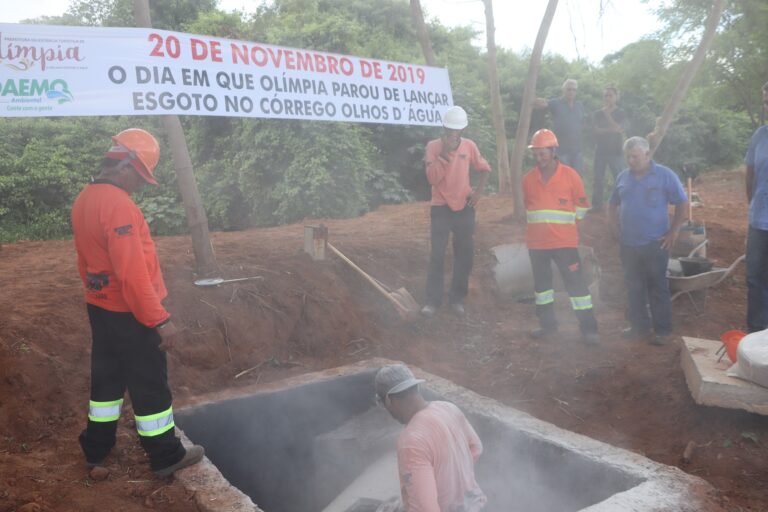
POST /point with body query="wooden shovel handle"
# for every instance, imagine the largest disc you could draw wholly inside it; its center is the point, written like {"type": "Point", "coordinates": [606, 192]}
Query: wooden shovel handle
{"type": "Point", "coordinates": [360, 271]}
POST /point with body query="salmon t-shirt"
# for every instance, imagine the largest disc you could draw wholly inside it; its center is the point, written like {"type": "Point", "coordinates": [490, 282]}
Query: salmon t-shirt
{"type": "Point", "coordinates": [436, 455]}
{"type": "Point", "coordinates": [450, 178]}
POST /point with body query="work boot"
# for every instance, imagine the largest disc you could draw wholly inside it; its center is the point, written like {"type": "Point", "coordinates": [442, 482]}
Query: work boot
{"type": "Point", "coordinates": [458, 309]}
{"type": "Point", "coordinates": [193, 456]}
{"type": "Point", "coordinates": [631, 334]}
{"type": "Point", "coordinates": [428, 310]}
{"type": "Point", "coordinates": [661, 339]}
{"type": "Point", "coordinates": [544, 334]}
{"type": "Point", "coordinates": [590, 338]}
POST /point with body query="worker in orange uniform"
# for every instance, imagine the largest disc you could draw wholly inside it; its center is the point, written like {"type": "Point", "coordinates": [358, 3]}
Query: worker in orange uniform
{"type": "Point", "coordinates": [448, 161]}
{"type": "Point", "coordinates": [554, 202]}
{"type": "Point", "coordinates": [437, 450]}
{"type": "Point", "coordinates": [131, 330]}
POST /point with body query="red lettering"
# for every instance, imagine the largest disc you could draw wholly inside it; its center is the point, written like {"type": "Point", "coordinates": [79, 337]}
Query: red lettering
{"type": "Point", "coordinates": [216, 51]}
{"type": "Point", "coordinates": [290, 63]}
{"type": "Point", "coordinates": [305, 61]}
{"type": "Point", "coordinates": [333, 65]}
{"type": "Point", "coordinates": [239, 53]}
{"type": "Point", "coordinates": [259, 56]}
{"type": "Point", "coordinates": [276, 59]}
{"type": "Point", "coordinates": [199, 49]}
{"type": "Point", "coordinates": [320, 64]}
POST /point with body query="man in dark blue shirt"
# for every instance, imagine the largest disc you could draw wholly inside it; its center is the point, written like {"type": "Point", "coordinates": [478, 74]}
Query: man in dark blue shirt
{"type": "Point", "coordinates": [568, 123]}
{"type": "Point", "coordinates": [639, 209]}
{"type": "Point", "coordinates": [609, 124]}
{"type": "Point", "coordinates": [757, 236]}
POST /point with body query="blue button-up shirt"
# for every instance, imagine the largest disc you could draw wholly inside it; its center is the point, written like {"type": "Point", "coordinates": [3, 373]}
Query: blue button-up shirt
{"type": "Point", "coordinates": [643, 203]}
{"type": "Point", "coordinates": [757, 158]}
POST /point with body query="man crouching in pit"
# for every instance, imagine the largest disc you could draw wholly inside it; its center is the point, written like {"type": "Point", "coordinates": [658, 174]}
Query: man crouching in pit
{"type": "Point", "coordinates": [436, 452]}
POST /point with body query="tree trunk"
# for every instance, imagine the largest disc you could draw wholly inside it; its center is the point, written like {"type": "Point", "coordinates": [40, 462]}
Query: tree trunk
{"type": "Point", "coordinates": [417, 15]}
{"type": "Point", "coordinates": [196, 219]}
{"type": "Point", "coordinates": [663, 122]}
{"type": "Point", "coordinates": [529, 95]}
{"type": "Point", "coordinates": [502, 153]}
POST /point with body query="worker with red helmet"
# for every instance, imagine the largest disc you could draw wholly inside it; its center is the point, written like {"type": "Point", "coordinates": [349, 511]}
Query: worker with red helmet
{"type": "Point", "coordinates": [131, 330]}
{"type": "Point", "coordinates": [554, 202]}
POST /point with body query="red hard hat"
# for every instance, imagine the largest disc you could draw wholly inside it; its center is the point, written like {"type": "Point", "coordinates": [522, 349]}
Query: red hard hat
{"type": "Point", "coordinates": [140, 148]}
{"type": "Point", "coordinates": [543, 139]}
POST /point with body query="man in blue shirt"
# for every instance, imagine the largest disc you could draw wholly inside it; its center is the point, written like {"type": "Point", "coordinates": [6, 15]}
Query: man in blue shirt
{"type": "Point", "coordinates": [568, 123]}
{"type": "Point", "coordinates": [757, 236]}
{"type": "Point", "coordinates": [638, 208]}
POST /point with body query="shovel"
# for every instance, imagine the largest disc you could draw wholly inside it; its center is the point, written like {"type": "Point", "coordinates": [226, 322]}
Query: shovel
{"type": "Point", "coordinates": [218, 280]}
{"type": "Point", "coordinates": [404, 303]}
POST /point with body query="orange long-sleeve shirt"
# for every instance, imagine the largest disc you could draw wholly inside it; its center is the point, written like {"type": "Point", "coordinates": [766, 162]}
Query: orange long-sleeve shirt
{"type": "Point", "coordinates": [553, 208]}
{"type": "Point", "coordinates": [116, 256]}
{"type": "Point", "coordinates": [450, 178]}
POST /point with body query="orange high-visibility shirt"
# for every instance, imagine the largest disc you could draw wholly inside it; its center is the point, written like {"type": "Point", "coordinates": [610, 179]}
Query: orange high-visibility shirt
{"type": "Point", "coordinates": [553, 208]}
{"type": "Point", "coordinates": [450, 178]}
{"type": "Point", "coordinates": [116, 256]}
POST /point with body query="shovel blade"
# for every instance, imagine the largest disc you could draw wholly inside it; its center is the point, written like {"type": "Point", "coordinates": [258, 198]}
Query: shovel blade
{"type": "Point", "coordinates": [405, 304]}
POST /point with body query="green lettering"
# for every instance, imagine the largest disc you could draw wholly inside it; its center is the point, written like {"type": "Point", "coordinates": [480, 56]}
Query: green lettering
{"type": "Point", "coordinates": [39, 88]}
{"type": "Point", "coordinates": [10, 88]}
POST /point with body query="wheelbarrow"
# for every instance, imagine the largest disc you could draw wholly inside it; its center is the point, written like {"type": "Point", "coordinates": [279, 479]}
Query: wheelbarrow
{"type": "Point", "coordinates": [686, 285]}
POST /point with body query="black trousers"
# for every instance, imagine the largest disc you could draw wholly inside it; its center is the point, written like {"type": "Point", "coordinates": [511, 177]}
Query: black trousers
{"type": "Point", "coordinates": [462, 224]}
{"type": "Point", "coordinates": [125, 355]}
{"type": "Point", "coordinates": [569, 264]}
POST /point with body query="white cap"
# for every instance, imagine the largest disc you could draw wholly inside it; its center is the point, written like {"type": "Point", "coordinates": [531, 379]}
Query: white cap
{"type": "Point", "coordinates": [393, 379]}
{"type": "Point", "coordinates": [455, 118]}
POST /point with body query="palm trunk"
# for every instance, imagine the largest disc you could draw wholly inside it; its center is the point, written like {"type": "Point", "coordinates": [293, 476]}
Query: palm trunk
{"type": "Point", "coordinates": [417, 15]}
{"type": "Point", "coordinates": [197, 221]}
{"type": "Point", "coordinates": [502, 153]}
{"type": "Point", "coordinates": [663, 122]}
{"type": "Point", "coordinates": [529, 94]}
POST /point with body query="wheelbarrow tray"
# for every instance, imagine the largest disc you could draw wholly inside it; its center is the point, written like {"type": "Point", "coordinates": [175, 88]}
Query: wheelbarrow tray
{"type": "Point", "coordinates": [684, 284]}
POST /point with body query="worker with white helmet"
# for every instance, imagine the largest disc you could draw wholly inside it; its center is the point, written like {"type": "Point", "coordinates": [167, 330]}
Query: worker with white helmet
{"type": "Point", "coordinates": [448, 161]}
{"type": "Point", "coordinates": [131, 329]}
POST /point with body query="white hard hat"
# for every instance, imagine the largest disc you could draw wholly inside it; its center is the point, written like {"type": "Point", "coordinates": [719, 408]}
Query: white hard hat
{"type": "Point", "coordinates": [455, 118]}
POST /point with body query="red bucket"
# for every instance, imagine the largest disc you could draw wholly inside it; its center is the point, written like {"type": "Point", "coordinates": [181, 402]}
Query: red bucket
{"type": "Point", "coordinates": [731, 341]}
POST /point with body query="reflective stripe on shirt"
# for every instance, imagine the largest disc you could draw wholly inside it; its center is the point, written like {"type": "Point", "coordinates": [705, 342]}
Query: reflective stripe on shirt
{"type": "Point", "coordinates": [550, 217]}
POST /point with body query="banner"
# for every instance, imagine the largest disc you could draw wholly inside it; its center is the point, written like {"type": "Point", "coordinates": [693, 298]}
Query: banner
{"type": "Point", "coordinates": [85, 71]}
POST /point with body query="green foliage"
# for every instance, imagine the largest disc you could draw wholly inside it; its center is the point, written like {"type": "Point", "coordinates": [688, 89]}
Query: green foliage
{"type": "Point", "coordinates": [163, 213]}
{"type": "Point", "coordinates": [257, 172]}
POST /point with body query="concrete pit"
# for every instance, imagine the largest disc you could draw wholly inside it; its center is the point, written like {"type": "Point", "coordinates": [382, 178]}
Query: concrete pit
{"type": "Point", "coordinates": [319, 440]}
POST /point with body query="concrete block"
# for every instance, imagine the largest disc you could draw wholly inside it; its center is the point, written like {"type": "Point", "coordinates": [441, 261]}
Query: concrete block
{"type": "Point", "coordinates": [709, 383]}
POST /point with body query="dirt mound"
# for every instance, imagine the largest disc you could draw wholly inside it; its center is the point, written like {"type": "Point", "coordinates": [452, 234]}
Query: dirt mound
{"type": "Point", "coordinates": [304, 315]}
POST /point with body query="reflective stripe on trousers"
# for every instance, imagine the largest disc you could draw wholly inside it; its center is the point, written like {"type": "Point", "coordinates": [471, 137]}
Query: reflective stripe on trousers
{"type": "Point", "coordinates": [103, 412]}
{"type": "Point", "coordinates": [545, 297]}
{"type": "Point", "coordinates": [155, 424]}
{"type": "Point", "coordinates": [581, 303]}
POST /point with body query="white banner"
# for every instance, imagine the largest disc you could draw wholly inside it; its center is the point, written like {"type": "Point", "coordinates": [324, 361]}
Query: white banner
{"type": "Point", "coordinates": [85, 71]}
